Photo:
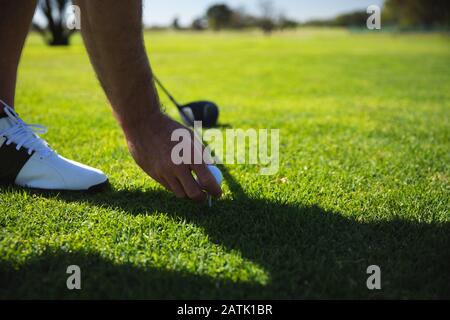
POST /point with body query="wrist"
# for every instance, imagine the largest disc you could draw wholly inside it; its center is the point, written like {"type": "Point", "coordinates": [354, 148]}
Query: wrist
{"type": "Point", "coordinates": [134, 122]}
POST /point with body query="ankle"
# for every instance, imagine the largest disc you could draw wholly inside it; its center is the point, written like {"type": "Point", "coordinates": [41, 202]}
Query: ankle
{"type": "Point", "coordinates": [2, 107]}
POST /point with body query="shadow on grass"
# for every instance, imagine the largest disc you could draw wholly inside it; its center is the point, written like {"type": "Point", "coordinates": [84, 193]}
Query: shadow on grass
{"type": "Point", "coordinates": [306, 251]}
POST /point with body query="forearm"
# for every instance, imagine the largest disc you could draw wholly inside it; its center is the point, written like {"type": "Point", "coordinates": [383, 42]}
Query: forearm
{"type": "Point", "coordinates": [112, 31]}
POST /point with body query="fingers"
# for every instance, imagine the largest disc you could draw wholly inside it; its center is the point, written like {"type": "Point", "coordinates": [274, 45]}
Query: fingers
{"type": "Point", "coordinates": [160, 165]}
{"type": "Point", "coordinates": [164, 183]}
{"type": "Point", "coordinates": [183, 186]}
{"type": "Point", "coordinates": [176, 187]}
{"type": "Point", "coordinates": [207, 180]}
{"type": "Point", "coordinates": [173, 186]}
{"type": "Point", "coordinates": [191, 187]}
{"type": "Point", "coordinates": [205, 177]}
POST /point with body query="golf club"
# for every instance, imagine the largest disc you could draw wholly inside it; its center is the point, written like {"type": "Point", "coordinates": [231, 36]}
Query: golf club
{"type": "Point", "coordinates": [205, 111]}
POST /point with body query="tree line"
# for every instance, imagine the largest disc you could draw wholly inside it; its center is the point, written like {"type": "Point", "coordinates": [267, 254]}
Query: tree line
{"type": "Point", "coordinates": [403, 14]}
{"type": "Point", "coordinates": [220, 16]}
{"type": "Point", "coordinates": [424, 14]}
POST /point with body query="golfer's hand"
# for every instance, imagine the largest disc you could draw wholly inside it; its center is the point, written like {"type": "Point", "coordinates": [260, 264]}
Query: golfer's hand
{"type": "Point", "coordinates": [150, 145]}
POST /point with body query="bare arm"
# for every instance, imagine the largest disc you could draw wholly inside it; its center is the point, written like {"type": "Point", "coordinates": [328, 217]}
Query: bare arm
{"type": "Point", "coordinates": [112, 31]}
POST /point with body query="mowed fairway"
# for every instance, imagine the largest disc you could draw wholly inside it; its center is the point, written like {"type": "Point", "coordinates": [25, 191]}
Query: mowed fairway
{"type": "Point", "coordinates": [365, 153]}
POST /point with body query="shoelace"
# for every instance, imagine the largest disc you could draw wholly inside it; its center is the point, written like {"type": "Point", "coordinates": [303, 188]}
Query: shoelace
{"type": "Point", "coordinates": [24, 134]}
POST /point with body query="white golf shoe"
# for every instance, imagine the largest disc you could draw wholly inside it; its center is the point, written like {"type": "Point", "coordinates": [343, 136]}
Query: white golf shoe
{"type": "Point", "coordinates": [27, 160]}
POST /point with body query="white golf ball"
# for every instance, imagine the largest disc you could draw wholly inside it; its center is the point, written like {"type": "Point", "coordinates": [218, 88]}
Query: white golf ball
{"type": "Point", "coordinates": [216, 173]}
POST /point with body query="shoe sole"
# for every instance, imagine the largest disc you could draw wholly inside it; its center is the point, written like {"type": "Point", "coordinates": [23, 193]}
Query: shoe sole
{"type": "Point", "coordinates": [99, 187]}
{"type": "Point", "coordinates": [91, 190]}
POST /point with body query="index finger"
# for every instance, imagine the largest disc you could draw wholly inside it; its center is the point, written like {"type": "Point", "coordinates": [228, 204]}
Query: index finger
{"type": "Point", "coordinates": [206, 180]}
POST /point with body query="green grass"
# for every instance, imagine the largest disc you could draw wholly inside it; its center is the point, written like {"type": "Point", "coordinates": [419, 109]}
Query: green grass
{"type": "Point", "coordinates": [365, 141]}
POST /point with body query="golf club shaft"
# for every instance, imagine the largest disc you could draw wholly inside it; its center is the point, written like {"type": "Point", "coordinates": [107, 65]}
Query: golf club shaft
{"type": "Point", "coordinates": [166, 92]}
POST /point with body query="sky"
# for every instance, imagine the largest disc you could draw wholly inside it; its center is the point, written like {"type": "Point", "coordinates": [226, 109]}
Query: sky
{"type": "Point", "coordinates": [161, 13]}
{"type": "Point", "coordinates": [158, 12]}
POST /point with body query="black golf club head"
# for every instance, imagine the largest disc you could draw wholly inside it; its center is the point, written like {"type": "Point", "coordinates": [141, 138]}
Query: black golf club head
{"type": "Point", "coordinates": [205, 111]}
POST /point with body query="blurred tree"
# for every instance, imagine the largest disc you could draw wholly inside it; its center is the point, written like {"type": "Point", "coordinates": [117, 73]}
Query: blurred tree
{"type": "Point", "coordinates": [199, 24]}
{"type": "Point", "coordinates": [352, 19]}
{"type": "Point", "coordinates": [420, 13]}
{"type": "Point", "coordinates": [219, 16]}
{"type": "Point", "coordinates": [176, 23]}
{"type": "Point", "coordinates": [267, 21]}
{"type": "Point", "coordinates": [286, 23]}
{"type": "Point", "coordinates": [267, 25]}
{"type": "Point", "coordinates": [55, 32]}
{"type": "Point", "coordinates": [240, 19]}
